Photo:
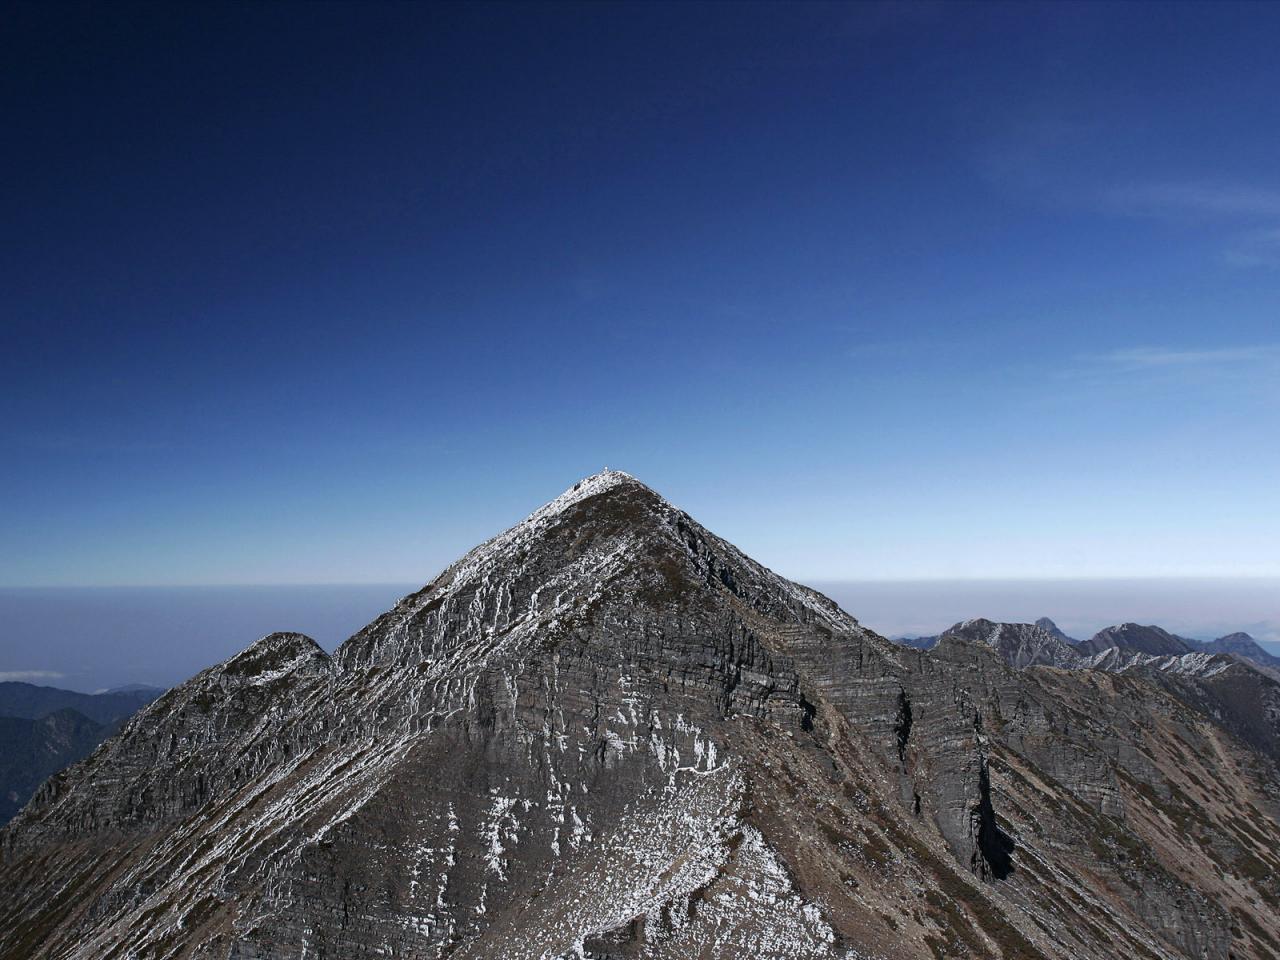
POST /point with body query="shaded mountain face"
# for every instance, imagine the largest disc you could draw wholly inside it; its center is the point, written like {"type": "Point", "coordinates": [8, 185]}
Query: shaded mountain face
{"type": "Point", "coordinates": [43, 729]}
{"type": "Point", "coordinates": [1136, 638]}
{"type": "Point", "coordinates": [608, 733]}
{"type": "Point", "coordinates": [32, 702]}
{"type": "Point", "coordinates": [917, 643]}
{"type": "Point", "coordinates": [32, 750]}
{"type": "Point", "coordinates": [1018, 644]}
{"type": "Point", "coordinates": [1242, 645]}
{"type": "Point", "coordinates": [1051, 628]}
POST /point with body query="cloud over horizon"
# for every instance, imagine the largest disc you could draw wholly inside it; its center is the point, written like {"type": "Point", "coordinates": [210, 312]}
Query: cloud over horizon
{"type": "Point", "coordinates": [27, 676]}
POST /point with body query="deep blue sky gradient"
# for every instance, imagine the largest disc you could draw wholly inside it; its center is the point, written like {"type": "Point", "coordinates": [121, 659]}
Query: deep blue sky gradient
{"type": "Point", "coordinates": [329, 293]}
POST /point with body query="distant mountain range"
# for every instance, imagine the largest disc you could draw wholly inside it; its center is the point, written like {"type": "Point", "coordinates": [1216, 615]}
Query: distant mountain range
{"type": "Point", "coordinates": [44, 729]}
{"type": "Point", "coordinates": [1044, 643]}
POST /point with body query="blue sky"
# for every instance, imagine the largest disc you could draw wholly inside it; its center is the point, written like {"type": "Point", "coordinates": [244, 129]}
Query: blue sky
{"type": "Point", "coordinates": [302, 294]}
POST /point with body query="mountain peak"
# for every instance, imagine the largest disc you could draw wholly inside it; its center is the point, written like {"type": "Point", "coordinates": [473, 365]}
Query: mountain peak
{"type": "Point", "coordinates": [274, 655]}
{"type": "Point", "coordinates": [608, 537]}
{"type": "Point", "coordinates": [605, 482]}
{"type": "Point", "coordinates": [1019, 644]}
{"type": "Point", "coordinates": [1240, 644]}
{"type": "Point", "coordinates": [1238, 637]}
{"type": "Point", "coordinates": [614, 485]}
{"type": "Point", "coordinates": [1137, 637]}
{"type": "Point", "coordinates": [1048, 626]}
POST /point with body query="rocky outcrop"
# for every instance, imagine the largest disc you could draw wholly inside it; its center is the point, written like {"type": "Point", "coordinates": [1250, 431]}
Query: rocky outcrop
{"type": "Point", "coordinates": [608, 733]}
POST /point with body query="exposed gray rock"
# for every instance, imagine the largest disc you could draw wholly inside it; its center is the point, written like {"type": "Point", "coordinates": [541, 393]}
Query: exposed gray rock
{"type": "Point", "coordinates": [1018, 644]}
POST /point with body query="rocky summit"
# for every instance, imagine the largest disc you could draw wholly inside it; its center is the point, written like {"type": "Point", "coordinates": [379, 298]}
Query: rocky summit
{"type": "Point", "coordinates": [608, 733]}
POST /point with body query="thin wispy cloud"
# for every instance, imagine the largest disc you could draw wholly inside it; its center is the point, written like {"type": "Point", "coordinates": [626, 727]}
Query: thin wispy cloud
{"type": "Point", "coordinates": [1249, 370]}
{"type": "Point", "coordinates": [1138, 359]}
{"type": "Point", "coordinates": [29, 676]}
{"type": "Point", "coordinates": [1232, 206]}
{"type": "Point", "coordinates": [1219, 201]}
{"type": "Point", "coordinates": [1258, 249]}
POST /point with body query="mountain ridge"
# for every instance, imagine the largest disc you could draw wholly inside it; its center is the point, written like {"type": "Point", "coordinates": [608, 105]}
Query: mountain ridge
{"type": "Point", "coordinates": [31, 701]}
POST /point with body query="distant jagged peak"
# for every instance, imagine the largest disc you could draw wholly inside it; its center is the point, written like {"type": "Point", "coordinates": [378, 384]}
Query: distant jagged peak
{"type": "Point", "coordinates": [1242, 645]}
{"type": "Point", "coordinates": [1044, 623]}
{"type": "Point", "coordinates": [1019, 644]}
{"type": "Point", "coordinates": [975, 626]}
{"type": "Point", "coordinates": [1238, 637]}
{"type": "Point", "coordinates": [915, 642]}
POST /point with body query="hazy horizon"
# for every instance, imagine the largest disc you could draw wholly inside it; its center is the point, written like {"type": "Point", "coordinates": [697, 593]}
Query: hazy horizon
{"type": "Point", "coordinates": [876, 292]}
{"type": "Point", "coordinates": [93, 638]}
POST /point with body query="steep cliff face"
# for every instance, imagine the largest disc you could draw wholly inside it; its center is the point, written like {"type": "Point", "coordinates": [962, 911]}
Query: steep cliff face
{"type": "Point", "coordinates": [608, 733]}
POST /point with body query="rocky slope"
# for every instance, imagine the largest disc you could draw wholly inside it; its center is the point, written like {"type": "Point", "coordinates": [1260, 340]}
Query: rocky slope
{"type": "Point", "coordinates": [608, 733]}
